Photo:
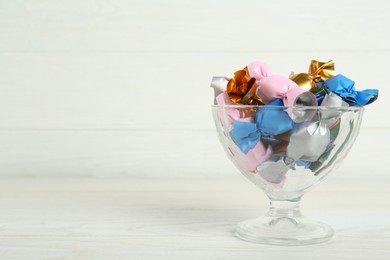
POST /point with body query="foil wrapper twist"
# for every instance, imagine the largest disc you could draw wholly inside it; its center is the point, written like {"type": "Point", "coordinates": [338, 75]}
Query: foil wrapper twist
{"type": "Point", "coordinates": [318, 72]}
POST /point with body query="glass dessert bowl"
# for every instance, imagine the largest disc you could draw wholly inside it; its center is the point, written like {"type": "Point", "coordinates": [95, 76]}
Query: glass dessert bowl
{"type": "Point", "coordinates": [286, 151]}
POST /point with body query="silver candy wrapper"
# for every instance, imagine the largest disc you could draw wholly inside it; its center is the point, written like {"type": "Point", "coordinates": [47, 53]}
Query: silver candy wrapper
{"type": "Point", "coordinates": [332, 100]}
{"type": "Point", "coordinates": [275, 168]}
{"type": "Point", "coordinates": [308, 141]}
{"type": "Point", "coordinates": [219, 85]}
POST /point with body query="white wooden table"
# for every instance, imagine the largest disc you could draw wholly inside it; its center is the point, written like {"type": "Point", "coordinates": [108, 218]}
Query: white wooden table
{"type": "Point", "coordinates": [82, 218]}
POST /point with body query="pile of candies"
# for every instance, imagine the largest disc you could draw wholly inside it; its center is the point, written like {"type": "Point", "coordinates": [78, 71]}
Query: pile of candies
{"type": "Point", "coordinates": [285, 138]}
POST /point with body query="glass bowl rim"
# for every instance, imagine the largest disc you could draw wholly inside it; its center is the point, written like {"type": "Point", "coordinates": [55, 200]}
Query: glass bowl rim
{"type": "Point", "coordinates": [296, 108]}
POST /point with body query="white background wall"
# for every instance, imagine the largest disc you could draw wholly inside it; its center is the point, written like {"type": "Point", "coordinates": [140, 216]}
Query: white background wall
{"type": "Point", "coordinates": [108, 88]}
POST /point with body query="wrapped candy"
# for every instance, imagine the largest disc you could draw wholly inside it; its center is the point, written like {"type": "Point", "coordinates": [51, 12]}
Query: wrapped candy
{"type": "Point", "coordinates": [275, 169]}
{"type": "Point", "coordinates": [247, 135]}
{"type": "Point", "coordinates": [242, 87]}
{"type": "Point", "coordinates": [280, 87]}
{"type": "Point", "coordinates": [332, 100]}
{"type": "Point", "coordinates": [345, 88]}
{"type": "Point", "coordinates": [308, 141]}
{"type": "Point", "coordinates": [318, 72]}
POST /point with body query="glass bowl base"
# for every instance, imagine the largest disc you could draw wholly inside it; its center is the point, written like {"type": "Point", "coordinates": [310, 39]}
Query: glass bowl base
{"type": "Point", "coordinates": [284, 231]}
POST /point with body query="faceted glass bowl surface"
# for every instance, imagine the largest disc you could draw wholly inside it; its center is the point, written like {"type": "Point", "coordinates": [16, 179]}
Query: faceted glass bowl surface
{"type": "Point", "coordinates": [284, 179]}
